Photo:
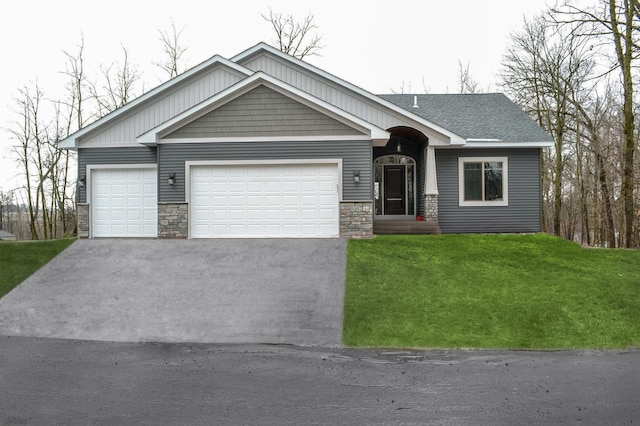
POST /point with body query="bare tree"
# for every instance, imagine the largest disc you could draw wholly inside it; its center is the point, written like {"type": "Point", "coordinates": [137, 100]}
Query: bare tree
{"type": "Point", "coordinates": [615, 24]}
{"type": "Point", "coordinates": [173, 51]}
{"type": "Point", "coordinates": [466, 83]}
{"type": "Point", "coordinates": [119, 85]}
{"type": "Point", "coordinates": [77, 85]}
{"type": "Point", "coordinates": [296, 38]}
{"type": "Point", "coordinates": [543, 71]}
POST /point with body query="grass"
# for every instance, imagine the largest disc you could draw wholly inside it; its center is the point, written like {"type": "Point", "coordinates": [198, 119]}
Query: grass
{"type": "Point", "coordinates": [490, 291]}
{"type": "Point", "coordinates": [20, 259]}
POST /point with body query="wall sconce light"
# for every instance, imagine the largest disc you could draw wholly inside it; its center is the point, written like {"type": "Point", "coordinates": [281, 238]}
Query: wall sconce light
{"type": "Point", "coordinates": [399, 147]}
{"type": "Point", "coordinates": [356, 176]}
{"type": "Point", "coordinates": [172, 179]}
{"type": "Point", "coordinates": [82, 181]}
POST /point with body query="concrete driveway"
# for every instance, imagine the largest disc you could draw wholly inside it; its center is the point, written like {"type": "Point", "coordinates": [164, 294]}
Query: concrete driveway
{"type": "Point", "coordinates": [209, 291]}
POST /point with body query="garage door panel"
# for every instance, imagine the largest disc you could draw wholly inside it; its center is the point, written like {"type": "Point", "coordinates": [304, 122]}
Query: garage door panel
{"type": "Point", "coordinates": [124, 202]}
{"type": "Point", "coordinates": [264, 201]}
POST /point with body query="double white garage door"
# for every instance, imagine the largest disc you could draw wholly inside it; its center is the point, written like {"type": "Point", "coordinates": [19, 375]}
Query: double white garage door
{"type": "Point", "coordinates": [264, 200]}
{"type": "Point", "coordinates": [225, 201]}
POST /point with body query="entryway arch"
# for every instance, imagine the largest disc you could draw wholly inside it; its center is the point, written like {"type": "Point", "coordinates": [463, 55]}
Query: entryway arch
{"type": "Point", "coordinates": [399, 174]}
{"type": "Point", "coordinates": [395, 185]}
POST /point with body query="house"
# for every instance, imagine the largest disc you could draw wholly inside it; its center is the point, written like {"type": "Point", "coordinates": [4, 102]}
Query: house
{"type": "Point", "coordinates": [6, 236]}
{"type": "Point", "coordinates": [266, 145]}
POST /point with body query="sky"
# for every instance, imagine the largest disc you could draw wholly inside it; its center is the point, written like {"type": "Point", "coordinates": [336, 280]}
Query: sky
{"type": "Point", "coordinates": [381, 46]}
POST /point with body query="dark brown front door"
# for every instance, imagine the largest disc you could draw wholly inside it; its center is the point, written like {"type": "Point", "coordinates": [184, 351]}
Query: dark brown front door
{"type": "Point", "coordinates": [394, 193]}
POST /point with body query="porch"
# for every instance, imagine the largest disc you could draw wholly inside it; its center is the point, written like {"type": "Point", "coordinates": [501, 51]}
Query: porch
{"type": "Point", "coordinates": [405, 227]}
{"type": "Point", "coordinates": [405, 189]}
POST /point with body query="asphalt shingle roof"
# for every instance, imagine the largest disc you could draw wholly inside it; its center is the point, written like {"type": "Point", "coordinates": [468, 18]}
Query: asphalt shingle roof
{"type": "Point", "coordinates": [474, 116]}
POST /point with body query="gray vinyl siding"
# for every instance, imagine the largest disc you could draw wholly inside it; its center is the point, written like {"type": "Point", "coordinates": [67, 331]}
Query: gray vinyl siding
{"type": "Point", "coordinates": [356, 155]}
{"type": "Point", "coordinates": [159, 109]}
{"type": "Point", "coordinates": [95, 156]}
{"type": "Point", "coordinates": [523, 214]}
{"type": "Point", "coordinates": [263, 112]}
{"type": "Point", "coordinates": [335, 94]}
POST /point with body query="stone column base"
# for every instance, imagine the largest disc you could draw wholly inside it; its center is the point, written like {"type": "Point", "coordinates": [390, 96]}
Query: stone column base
{"type": "Point", "coordinates": [356, 219]}
{"type": "Point", "coordinates": [431, 208]}
{"type": "Point", "coordinates": [173, 220]}
{"type": "Point", "coordinates": [82, 212]}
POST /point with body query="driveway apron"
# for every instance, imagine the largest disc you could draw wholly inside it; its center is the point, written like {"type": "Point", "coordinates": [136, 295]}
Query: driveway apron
{"type": "Point", "coordinates": [210, 291]}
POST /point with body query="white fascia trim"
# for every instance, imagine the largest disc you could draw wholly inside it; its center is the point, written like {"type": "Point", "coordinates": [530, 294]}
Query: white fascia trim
{"type": "Point", "coordinates": [71, 141]}
{"type": "Point", "coordinates": [152, 136]}
{"type": "Point", "coordinates": [455, 139]}
{"type": "Point", "coordinates": [112, 145]}
{"type": "Point", "coordinates": [473, 145]}
{"type": "Point", "coordinates": [494, 144]}
{"type": "Point", "coordinates": [189, 164]}
{"type": "Point", "coordinates": [266, 139]}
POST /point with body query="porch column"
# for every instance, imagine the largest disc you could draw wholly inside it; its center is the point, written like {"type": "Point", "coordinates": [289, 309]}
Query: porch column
{"type": "Point", "coordinates": [431, 186]}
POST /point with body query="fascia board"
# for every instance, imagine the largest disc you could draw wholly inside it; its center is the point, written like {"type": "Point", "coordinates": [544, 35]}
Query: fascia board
{"type": "Point", "coordinates": [71, 141]}
{"type": "Point", "coordinates": [454, 138]}
{"type": "Point", "coordinates": [494, 144]}
{"type": "Point", "coordinates": [249, 83]}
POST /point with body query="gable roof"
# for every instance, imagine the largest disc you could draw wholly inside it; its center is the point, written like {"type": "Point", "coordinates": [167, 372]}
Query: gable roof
{"type": "Point", "coordinates": [487, 118]}
{"type": "Point", "coordinates": [262, 48]}
{"type": "Point", "coordinates": [71, 141]}
{"type": "Point", "coordinates": [463, 120]}
{"type": "Point", "coordinates": [259, 78]}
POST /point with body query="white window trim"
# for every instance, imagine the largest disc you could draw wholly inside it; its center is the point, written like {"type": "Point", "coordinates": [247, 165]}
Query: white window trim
{"type": "Point", "coordinates": [505, 182]}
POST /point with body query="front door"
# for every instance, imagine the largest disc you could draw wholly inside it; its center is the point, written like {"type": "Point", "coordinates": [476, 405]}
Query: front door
{"type": "Point", "coordinates": [394, 190]}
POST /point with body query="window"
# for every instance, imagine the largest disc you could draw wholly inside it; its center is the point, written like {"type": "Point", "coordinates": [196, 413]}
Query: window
{"type": "Point", "coordinates": [483, 181]}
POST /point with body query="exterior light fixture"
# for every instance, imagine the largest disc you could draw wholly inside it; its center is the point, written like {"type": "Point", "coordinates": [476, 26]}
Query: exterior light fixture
{"type": "Point", "coordinates": [172, 179]}
{"type": "Point", "coordinates": [82, 181]}
{"type": "Point", "coordinates": [399, 148]}
{"type": "Point", "coordinates": [356, 176]}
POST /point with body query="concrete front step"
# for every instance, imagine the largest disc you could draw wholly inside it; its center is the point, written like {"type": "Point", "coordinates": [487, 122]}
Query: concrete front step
{"type": "Point", "coordinates": [406, 227]}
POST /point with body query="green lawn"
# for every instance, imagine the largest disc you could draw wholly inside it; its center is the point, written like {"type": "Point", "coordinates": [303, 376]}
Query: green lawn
{"type": "Point", "coordinates": [490, 291]}
{"type": "Point", "coordinates": [20, 259]}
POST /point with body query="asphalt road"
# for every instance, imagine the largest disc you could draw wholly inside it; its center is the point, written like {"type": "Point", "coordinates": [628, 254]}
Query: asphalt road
{"type": "Point", "coordinates": [71, 382]}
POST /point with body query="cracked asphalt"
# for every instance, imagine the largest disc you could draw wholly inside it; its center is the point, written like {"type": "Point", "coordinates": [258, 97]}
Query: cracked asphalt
{"type": "Point", "coordinates": [74, 382]}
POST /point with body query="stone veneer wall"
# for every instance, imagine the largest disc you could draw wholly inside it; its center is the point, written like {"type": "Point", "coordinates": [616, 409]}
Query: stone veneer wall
{"type": "Point", "coordinates": [356, 219]}
{"type": "Point", "coordinates": [173, 220]}
{"type": "Point", "coordinates": [431, 208]}
{"type": "Point", "coordinates": [82, 210]}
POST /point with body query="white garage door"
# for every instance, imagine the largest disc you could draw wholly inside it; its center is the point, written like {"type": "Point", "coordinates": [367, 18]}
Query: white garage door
{"type": "Point", "coordinates": [264, 201]}
{"type": "Point", "coordinates": [124, 203]}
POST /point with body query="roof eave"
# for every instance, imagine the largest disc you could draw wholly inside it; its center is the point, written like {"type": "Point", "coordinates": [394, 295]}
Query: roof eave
{"type": "Point", "coordinates": [455, 139]}
{"type": "Point", "coordinates": [152, 136]}
{"type": "Point", "coordinates": [475, 143]}
{"type": "Point", "coordinates": [71, 142]}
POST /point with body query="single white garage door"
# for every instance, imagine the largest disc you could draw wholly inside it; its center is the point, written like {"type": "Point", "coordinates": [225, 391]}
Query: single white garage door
{"type": "Point", "coordinates": [124, 203]}
{"type": "Point", "coordinates": [264, 201]}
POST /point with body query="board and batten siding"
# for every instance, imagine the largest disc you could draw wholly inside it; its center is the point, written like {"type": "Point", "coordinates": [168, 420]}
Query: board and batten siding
{"type": "Point", "coordinates": [116, 156]}
{"type": "Point", "coordinates": [263, 112]}
{"type": "Point", "coordinates": [355, 155]}
{"type": "Point", "coordinates": [523, 214]}
{"type": "Point", "coordinates": [162, 108]}
{"type": "Point", "coordinates": [332, 93]}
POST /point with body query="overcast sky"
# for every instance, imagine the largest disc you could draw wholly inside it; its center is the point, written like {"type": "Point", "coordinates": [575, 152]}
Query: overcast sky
{"type": "Point", "coordinates": [381, 46]}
